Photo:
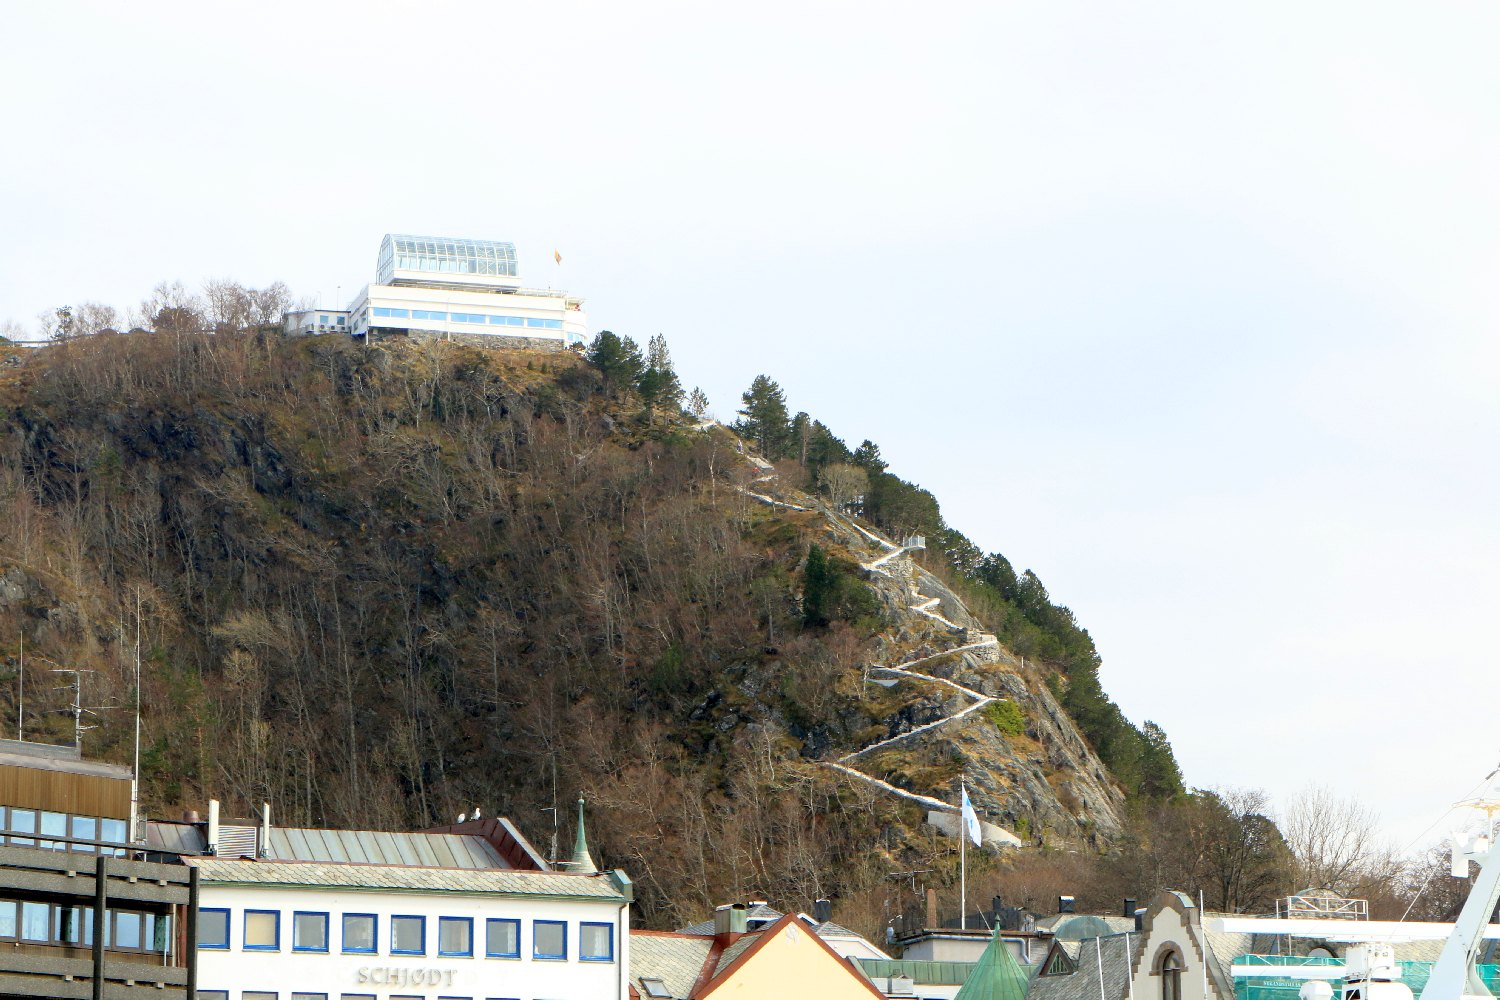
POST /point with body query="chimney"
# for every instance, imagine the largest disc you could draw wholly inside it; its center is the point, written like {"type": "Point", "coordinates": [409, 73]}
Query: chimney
{"type": "Point", "coordinates": [191, 816]}
{"type": "Point", "coordinates": [822, 910]}
{"type": "Point", "coordinates": [995, 907]}
{"type": "Point", "coordinates": [1064, 904]}
{"type": "Point", "coordinates": [729, 921]}
{"type": "Point", "coordinates": [932, 918]}
{"type": "Point", "coordinates": [1129, 910]}
{"type": "Point", "coordinates": [1140, 920]}
{"type": "Point", "coordinates": [213, 826]}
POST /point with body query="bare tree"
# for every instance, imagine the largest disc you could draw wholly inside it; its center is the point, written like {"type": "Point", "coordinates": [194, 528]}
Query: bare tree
{"type": "Point", "coordinates": [1332, 840]}
{"type": "Point", "coordinates": [844, 484]}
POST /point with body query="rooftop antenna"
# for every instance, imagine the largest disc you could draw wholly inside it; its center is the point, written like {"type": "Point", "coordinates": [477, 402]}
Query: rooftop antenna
{"type": "Point", "coordinates": [21, 691]}
{"type": "Point", "coordinates": [552, 857]}
{"type": "Point", "coordinates": [76, 710]}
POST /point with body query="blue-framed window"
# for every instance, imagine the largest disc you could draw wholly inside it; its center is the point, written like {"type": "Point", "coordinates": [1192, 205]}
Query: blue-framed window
{"type": "Point", "coordinates": [213, 995]}
{"type": "Point", "coordinates": [596, 942]}
{"type": "Point", "coordinates": [390, 313]}
{"type": "Point", "coordinates": [299, 995]}
{"type": "Point", "coordinates": [408, 935]}
{"type": "Point", "coordinates": [549, 940]}
{"type": "Point", "coordinates": [352, 996]}
{"type": "Point", "coordinates": [258, 995]}
{"type": "Point", "coordinates": [429, 314]}
{"type": "Point", "coordinates": [361, 933]}
{"type": "Point", "coordinates": [262, 930]}
{"type": "Point", "coordinates": [456, 936]}
{"type": "Point", "coordinates": [213, 929]}
{"type": "Point", "coordinates": [310, 931]}
{"type": "Point", "coordinates": [502, 938]}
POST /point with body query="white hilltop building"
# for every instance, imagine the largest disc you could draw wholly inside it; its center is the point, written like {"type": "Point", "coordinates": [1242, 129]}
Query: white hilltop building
{"type": "Point", "coordinates": [442, 288]}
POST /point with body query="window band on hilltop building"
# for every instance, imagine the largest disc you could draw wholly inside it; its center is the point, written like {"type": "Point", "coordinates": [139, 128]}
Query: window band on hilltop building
{"type": "Point", "coordinates": [441, 288]}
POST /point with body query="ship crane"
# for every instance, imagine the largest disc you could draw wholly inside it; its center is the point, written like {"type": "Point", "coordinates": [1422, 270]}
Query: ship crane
{"type": "Point", "coordinates": [1455, 975]}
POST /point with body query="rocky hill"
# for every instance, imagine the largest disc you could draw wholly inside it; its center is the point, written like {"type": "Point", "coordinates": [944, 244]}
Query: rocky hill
{"type": "Point", "coordinates": [378, 587]}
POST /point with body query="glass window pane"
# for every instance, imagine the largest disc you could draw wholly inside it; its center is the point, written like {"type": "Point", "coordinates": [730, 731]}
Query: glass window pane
{"type": "Point", "coordinates": [23, 821]}
{"type": "Point", "coordinates": [8, 908]}
{"type": "Point", "coordinates": [257, 995]}
{"type": "Point", "coordinates": [502, 938]}
{"type": "Point", "coordinates": [158, 932]}
{"type": "Point", "coordinates": [113, 831]}
{"type": "Point", "coordinates": [85, 828]}
{"type": "Point", "coordinates": [213, 995]}
{"type": "Point", "coordinates": [309, 996]}
{"type": "Point", "coordinates": [127, 930]}
{"type": "Point", "coordinates": [596, 942]}
{"type": "Point", "coordinates": [262, 929]}
{"type": "Point", "coordinates": [309, 932]}
{"type": "Point", "coordinates": [57, 825]}
{"type": "Point", "coordinates": [407, 936]}
{"type": "Point", "coordinates": [359, 932]}
{"type": "Point", "coordinates": [35, 922]}
{"type": "Point", "coordinates": [213, 928]}
{"type": "Point", "coordinates": [454, 936]}
{"type": "Point", "coordinates": [549, 939]}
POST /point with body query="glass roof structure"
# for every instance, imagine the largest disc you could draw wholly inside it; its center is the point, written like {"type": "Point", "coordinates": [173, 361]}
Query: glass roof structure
{"type": "Point", "coordinates": [444, 258]}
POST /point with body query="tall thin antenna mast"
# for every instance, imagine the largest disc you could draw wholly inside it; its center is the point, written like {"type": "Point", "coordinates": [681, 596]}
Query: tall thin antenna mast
{"type": "Point", "coordinates": [135, 774]}
{"type": "Point", "coordinates": [21, 691]}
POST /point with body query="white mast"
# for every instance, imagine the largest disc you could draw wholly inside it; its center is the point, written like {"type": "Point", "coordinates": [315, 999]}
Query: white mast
{"type": "Point", "coordinates": [963, 861]}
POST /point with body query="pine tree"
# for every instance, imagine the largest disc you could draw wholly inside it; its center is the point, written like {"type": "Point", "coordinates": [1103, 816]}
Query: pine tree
{"type": "Point", "coordinates": [658, 384]}
{"type": "Point", "coordinates": [765, 418]}
{"type": "Point", "coordinates": [618, 360]}
{"type": "Point", "coordinates": [697, 403]}
{"type": "Point", "coordinates": [867, 457]}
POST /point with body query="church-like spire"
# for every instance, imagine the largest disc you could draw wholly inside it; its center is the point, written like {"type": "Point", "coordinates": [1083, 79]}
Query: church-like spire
{"type": "Point", "coordinates": [582, 862]}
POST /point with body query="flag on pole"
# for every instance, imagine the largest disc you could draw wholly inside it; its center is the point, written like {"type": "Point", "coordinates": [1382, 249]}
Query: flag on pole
{"type": "Point", "coordinates": [557, 256]}
{"type": "Point", "coordinates": [971, 820]}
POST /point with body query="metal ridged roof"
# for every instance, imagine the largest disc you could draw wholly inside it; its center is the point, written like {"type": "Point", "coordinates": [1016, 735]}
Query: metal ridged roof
{"type": "Point", "coordinates": [351, 876]}
{"type": "Point", "coordinates": [428, 850]}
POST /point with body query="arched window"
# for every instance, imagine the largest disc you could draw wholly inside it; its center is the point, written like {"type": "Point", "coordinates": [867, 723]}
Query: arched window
{"type": "Point", "coordinates": [1169, 968]}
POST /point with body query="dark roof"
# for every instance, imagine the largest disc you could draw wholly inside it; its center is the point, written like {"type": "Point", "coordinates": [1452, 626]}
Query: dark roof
{"type": "Point", "coordinates": [1083, 984]}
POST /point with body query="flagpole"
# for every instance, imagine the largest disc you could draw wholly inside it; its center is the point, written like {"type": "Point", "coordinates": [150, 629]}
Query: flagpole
{"type": "Point", "coordinates": [963, 862]}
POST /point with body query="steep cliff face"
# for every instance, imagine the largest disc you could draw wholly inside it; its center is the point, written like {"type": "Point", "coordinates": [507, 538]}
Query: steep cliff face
{"type": "Point", "coordinates": [1040, 780]}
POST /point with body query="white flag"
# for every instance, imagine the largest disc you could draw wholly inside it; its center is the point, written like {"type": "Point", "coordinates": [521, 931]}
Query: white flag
{"type": "Point", "coordinates": [971, 820]}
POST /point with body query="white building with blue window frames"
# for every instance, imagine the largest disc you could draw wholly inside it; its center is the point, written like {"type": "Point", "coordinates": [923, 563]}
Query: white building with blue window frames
{"type": "Point", "coordinates": [432, 287]}
{"type": "Point", "coordinates": [468, 912]}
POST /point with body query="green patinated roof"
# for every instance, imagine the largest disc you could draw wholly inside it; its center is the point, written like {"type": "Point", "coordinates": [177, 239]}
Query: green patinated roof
{"type": "Point", "coordinates": [924, 971]}
{"type": "Point", "coordinates": [996, 976]}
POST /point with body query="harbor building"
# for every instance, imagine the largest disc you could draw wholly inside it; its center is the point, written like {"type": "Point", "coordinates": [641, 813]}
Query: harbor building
{"type": "Point", "coordinates": [68, 868]}
{"type": "Point", "coordinates": [463, 912]}
{"type": "Point", "coordinates": [443, 288]}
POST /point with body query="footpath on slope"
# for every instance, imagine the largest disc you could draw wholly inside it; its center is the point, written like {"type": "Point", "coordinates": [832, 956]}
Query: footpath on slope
{"type": "Point", "coordinates": [924, 606]}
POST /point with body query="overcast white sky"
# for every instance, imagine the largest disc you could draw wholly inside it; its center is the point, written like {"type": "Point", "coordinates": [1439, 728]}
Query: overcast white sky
{"type": "Point", "coordinates": [1189, 308]}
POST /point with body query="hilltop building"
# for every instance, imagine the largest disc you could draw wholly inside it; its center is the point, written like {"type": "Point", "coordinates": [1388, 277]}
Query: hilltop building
{"type": "Point", "coordinates": [441, 288]}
